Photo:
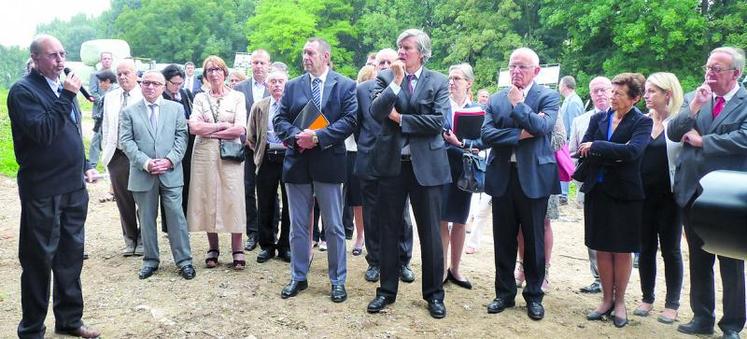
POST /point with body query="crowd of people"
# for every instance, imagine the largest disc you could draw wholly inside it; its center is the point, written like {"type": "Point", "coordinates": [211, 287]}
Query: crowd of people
{"type": "Point", "coordinates": [263, 158]}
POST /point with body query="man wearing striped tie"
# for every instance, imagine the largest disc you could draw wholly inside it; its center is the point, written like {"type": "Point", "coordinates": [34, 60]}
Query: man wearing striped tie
{"type": "Point", "coordinates": [314, 164]}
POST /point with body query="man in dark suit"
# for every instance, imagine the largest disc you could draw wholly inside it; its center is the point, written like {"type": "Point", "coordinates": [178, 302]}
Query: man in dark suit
{"type": "Point", "coordinates": [712, 125]}
{"type": "Point", "coordinates": [154, 138]}
{"type": "Point", "coordinates": [367, 130]}
{"type": "Point", "coordinates": [254, 90]}
{"type": "Point", "coordinates": [314, 163]}
{"type": "Point", "coordinates": [409, 158]}
{"type": "Point", "coordinates": [45, 122]}
{"type": "Point", "coordinates": [191, 82]}
{"type": "Point", "coordinates": [520, 176]}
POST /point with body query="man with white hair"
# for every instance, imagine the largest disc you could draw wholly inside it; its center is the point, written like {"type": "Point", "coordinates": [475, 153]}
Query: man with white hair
{"type": "Point", "coordinates": [712, 125]}
{"type": "Point", "coordinates": [115, 159]}
{"type": "Point", "coordinates": [521, 175]}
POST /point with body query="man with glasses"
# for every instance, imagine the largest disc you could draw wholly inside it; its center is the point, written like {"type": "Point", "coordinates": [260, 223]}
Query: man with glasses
{"type": "Point", "coordinates": [520, 177]}
{"type": "Point", "coordinates": [254, 89]}
{"type": "Point", "coordinates": [368, 129]}
{"type": "Point", "coordinates": [115, 159]}
{"type": "Point", "coordinates": [154, 138]}
{"type": "Point", "coordinates": [712, 125]}
{"type": "Point", "coordinates": [45, 121]}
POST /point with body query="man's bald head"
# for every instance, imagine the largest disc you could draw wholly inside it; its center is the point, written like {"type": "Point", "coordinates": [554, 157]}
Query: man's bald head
{"type": "Point", "coordinates": [48, 55]}
{"type": "Point", "coordinates": [127, 74]}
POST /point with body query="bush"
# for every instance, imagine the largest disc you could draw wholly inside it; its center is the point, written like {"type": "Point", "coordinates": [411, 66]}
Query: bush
{"type": "Point", "coordinates": [8, 165]}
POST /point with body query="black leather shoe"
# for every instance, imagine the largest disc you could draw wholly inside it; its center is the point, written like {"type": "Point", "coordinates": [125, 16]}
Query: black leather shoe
{"type": "Point", "coordinates": [500, 304]}
{"type": "Point", "coordinates": [187, 272]}
{"type": "Point", "coordinates": [594, 287]}
{"type": "Point", "coordinates": [594, 315]}
{"type": "Point", "coordinates": [146, 272]}
{"type": "Point", "coordinates": [265, 255]}
{"type": "Point", "coordinates": [338, 293]}
{"type": "Point", "coordinates": [293, 287]}
{"type": "Point", "coordinates": [730, 334]}
{"type": "Point", "coordinates": [379, 303]}
{"type": "Point", "coordinates": [82, 332]}
{"type": "Point", "coordinates": [535, 311]}
{"type": "Point", "coordinates": [406, 274]}
{"type": "Point", "coordinates": [251, 242]}
{"type": "Point", "coordinates": [461, 283]}
{"type": "Point", "coordinates": [372, 273]}
{"type": "Point", "coordinates": [284, 255]}
{"type": "Point", "coordinates": [696, 326]}
{"type": "Point", "coordinates": [436, 308]}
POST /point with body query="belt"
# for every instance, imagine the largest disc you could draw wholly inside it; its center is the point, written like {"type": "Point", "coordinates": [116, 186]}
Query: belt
{"type": "Point", "coordinates": [406, 157]}
{"type": "Point", "coordinates": [275, 151]}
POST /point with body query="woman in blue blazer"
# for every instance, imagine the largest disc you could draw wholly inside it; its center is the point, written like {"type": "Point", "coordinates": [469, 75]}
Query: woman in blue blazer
{"type": "Point", "coordinates": [610, 170]}
{"type": "Point", "coordinates": [456, 203]}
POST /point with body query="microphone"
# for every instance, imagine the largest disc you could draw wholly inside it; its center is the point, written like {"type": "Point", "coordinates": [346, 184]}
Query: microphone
{"type": "Point", "coordinates": [82, 89]}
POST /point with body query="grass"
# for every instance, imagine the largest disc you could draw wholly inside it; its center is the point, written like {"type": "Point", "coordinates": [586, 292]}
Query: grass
{"type": "Point", "coordinates": [8, 165]}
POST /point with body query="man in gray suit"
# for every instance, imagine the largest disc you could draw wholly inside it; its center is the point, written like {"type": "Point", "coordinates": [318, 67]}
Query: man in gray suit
{"type": "Point", "coordinates": [712, 124]}
{"type": "Point", "coordinates": [154, 138]}
{"type": "Point", "coordinates": [409, 158]}
{"type": "Point", "coordinates": [520, 176]}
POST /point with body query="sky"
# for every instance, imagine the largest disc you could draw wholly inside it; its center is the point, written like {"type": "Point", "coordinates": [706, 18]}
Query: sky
{"type": "Point", "coordinates": [19, 18]}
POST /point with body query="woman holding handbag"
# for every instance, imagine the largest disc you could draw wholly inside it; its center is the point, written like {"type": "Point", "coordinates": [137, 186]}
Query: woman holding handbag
{"type": "Point", "coordinates": [216, 192]}
{"type": "Point", "coordinates": [456, 202]}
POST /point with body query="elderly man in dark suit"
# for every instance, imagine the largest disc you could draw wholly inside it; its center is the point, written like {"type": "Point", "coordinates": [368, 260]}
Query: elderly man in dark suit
{"type": "Point", "coordinates": [314, 163]}
{"type": "Point", "coordinates": [520, 176]}
{"type": "Point", "coordinates": [367, 131]}
{"type": "Point", "coordinates": [409, 158]}
{"type": "Point", "coordinates": [712, 124]}
{"type": "Point", "coordinates": [45, 122]}
{"type": "Point", "coordinates": [254, 89]}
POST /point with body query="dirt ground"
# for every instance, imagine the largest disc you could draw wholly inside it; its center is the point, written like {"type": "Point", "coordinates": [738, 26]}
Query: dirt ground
{"type": "Point", "coordinates": [222, 303]}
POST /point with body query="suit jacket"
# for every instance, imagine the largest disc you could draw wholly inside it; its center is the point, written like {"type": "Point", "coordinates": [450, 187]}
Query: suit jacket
{"type": "Point", "coordinates": [535, 159]}
{"type": "Point", "coordinates": [196, 85]}
{"type": "Point", "coordinates": [246, 88]}
{"type": "Point", "coordinates": [724, 143]}
{"type": "Point", "coordinates": [141, 143]}
{"type": "Point", "coordinates": [256, 129]}
{"type": "Point", "coordinates": [422, 122]}
{"type": "Point", "coordinates": [186, 100]}
{"type": "Point", "coordinates": [47, 142]}
{"type": "Point", "coordinates": [326, 162]}
{"type": "Point", "coordinates": [619, 159]}
{"type": "Point", "coordinates": [110, 124]}
{"type": "Point", "coordinates": [366, 130]}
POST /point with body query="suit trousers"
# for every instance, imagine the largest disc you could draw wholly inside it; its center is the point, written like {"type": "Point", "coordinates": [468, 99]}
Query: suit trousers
{"type": "Point", "coordinates": [301, 202]}
{"type": "Point", "coordinates": [147, 208]}
{"type": "Point", "coordinates": [512, 212]}
{"type": "Point", "coordinates": [372, 226]}
{"type": "Point", "coordinates": [269, 177]}
{"type": "Point", "coordinates": [94, 151]}
{"type": "Point", "coordinates": [250, 195]}
{"type": "Point", "coordinates": [702, 293]}
{"type": "Point", "coordinates": [119, 174]}
{"type": "Point", "coordinates": [51, 241]}
{"type": "Point", "coordinates": [426, 205]}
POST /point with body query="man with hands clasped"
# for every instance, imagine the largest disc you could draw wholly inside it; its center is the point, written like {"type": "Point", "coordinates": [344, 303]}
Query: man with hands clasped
{"type": "Point", "coordinates": [154, 138]}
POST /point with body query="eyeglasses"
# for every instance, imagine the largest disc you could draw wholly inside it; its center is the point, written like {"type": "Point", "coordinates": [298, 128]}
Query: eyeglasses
{"type": "Point", "coordinates": [716, 69]}
{"type": "Point", "coordinates": [57, 55]}
{"type": "Point", "coordinates": [148, 83]}
{"type": "Point", "coordinates": [520, 67]}
{"type": "Point", "coordinates": [456, 78]}
{"type": "Point", "coordinates": [177, 84]}
{"type": "Point", "coordinates": [213, 69]}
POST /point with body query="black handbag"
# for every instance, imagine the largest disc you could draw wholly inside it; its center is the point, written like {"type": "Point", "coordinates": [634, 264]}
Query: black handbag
{"type": "Point", "coordinates": [229, 150]}
{"type": "Point", "coordinates": [473, 173]}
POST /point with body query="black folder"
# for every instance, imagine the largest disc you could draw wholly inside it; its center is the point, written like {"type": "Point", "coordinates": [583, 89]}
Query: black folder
{"type": "Point", "coordinates": [310, 118]}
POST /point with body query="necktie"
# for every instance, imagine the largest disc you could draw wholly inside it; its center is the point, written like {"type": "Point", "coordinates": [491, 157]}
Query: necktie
{"type": "Point", "coordinates": [72, 111]}
{"type": "Point", "coordinates": [153, 119]}
{"type": "Point", "coordinates": [271, 138]}
{"type": "Point", "coordinates": [410, 87]}
{"type": "Point", "coordinates": [125, 95]}
{"type": "Point", "coordinates": [316, 94]}
{"type": "Point", "coordinates": [718, 107]}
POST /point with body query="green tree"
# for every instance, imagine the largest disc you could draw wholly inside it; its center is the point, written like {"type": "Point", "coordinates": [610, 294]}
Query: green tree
{"type": "Point", "coordinates": [12, 64]}
{"type": "Point", "coordinates": [72, 33]}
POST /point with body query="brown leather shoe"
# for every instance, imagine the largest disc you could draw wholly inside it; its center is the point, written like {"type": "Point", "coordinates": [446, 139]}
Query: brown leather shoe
{"type": "Point", "coordinates": [83, 332]}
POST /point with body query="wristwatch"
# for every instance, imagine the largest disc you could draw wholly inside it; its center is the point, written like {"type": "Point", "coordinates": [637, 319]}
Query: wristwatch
{"type": "Point", "coordinates": [314, 138]}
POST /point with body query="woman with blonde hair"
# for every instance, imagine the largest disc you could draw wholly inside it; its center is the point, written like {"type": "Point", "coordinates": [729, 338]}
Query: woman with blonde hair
{"type": "Point", "coordinates": [661, 224]}
{"type": "Point", "coordinates": [216, 192]}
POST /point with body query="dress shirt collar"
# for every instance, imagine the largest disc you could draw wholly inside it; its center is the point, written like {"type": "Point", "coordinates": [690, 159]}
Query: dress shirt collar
{"type": "Point", "coordinates": [322, 77]}
{"type": "Point", "coordinates": [417, 73]}
{"type": "Point", "coordinates": [527, 89]}
{"type": "Point", "coordinates": [729, 94]}
{"type": "Point", "coordinates": [54, 85]}
{"type": "Point", "coordinates": [157, 102]}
